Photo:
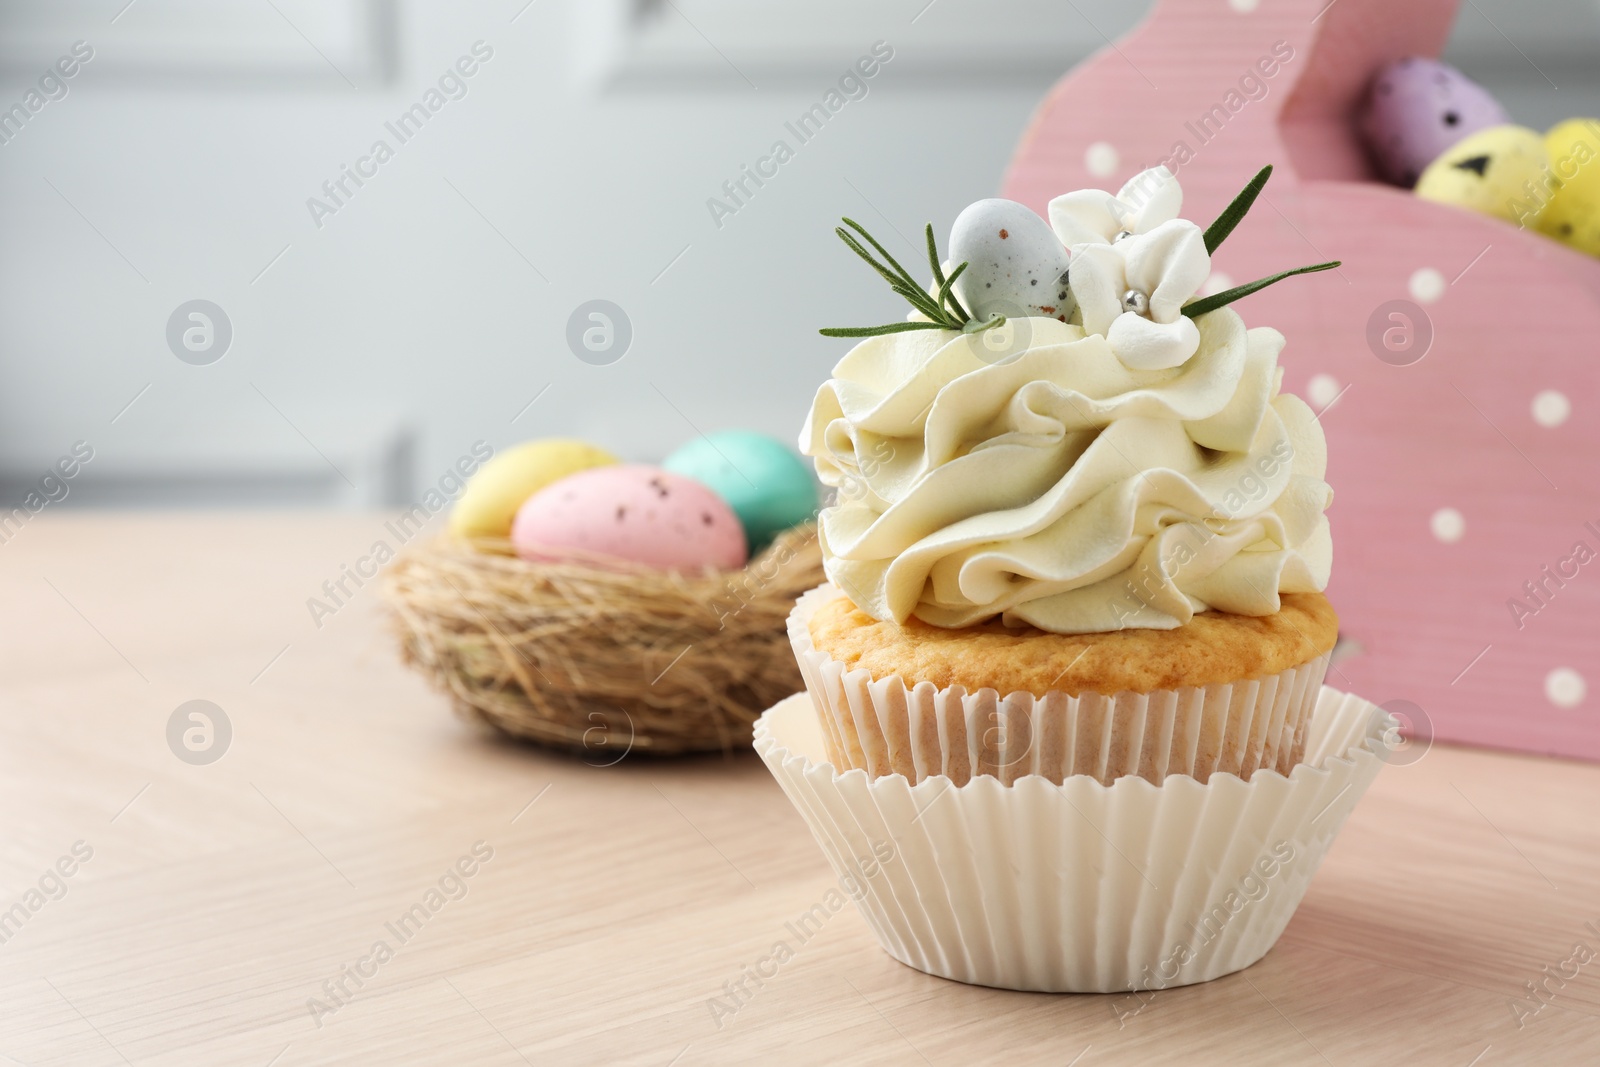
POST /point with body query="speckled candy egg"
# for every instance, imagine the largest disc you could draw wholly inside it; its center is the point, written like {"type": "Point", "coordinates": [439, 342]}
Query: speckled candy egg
{"type": "Point", "coordinates": [767, 485]}
{"type": "Point", "coordinates": [1573, 214]}
{"type": "Point", "coordinates": [636, 513]}
{"type": "Point", "coordinates": [1015, 263]}
{"type": "Point", "coordinates": [1415, 109]}
{"type": "Point", "coordinates": [498, 489]}
{"type": "Point", "coordinates": [1491, 172]}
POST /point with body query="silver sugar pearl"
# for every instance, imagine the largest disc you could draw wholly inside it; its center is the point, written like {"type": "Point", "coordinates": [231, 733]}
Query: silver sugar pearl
{"type": "Point", "coordinates": [1121, 235]}
{"type": "Point", "coordinates": [1136, 302]}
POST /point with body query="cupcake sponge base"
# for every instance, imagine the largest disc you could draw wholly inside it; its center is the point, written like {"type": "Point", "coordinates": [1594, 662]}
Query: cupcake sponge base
{"type": "Point", "coordinates": [1207, 723]}
{"type": "Point", "coordinates": [1212, 648]}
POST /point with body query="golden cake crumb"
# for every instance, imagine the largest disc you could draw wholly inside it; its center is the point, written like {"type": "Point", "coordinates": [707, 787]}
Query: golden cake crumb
{"type": "Point", "coordinates": [1214, 648]}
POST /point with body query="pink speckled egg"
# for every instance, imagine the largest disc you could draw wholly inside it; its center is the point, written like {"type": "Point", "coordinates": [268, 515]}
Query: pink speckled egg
{"type": "Point", "coordinates": [635, 513]}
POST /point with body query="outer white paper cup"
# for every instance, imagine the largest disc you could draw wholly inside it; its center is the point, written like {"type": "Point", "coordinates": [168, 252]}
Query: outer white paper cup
{"type": "Point", "coordinates": [1081, 887]}
{"type": "Point", "coordinates": [882, 726]}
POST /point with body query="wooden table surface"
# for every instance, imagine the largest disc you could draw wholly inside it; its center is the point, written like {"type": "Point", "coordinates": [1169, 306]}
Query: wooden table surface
{"type": "Point", "coordinates": [221, 900]}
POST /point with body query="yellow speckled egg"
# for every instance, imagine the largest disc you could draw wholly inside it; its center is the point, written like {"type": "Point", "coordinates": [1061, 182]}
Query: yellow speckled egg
{"type": "Point", "coordinates": [1573, 214]}
{"type": "Point", "coordinates": [492, 497]}
{"type": "Point", "coordinates": [1499, 171]}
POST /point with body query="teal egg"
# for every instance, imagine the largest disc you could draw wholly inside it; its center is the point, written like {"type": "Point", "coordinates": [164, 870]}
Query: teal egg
{"type": "Point", "coordinates": [766, 484]}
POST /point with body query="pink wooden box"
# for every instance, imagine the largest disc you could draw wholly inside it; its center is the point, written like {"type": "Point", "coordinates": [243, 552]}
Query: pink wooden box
{"type": "Point", "coordinates": [1460, 488]}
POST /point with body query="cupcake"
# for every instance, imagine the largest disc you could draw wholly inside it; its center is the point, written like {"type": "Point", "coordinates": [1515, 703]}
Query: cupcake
{"type": "Point", "coordinates": [1064, 685]}
{"type": "Point", "coordinates": [1064, 682]}
{"type": "Point", "coordinates": [1077, 528]}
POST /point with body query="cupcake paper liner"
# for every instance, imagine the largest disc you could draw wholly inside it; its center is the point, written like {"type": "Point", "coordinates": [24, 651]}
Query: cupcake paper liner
{"type": "Point", "coordinates": [881, 726]}
{"type": "Point", "coordinates": [1079, 886]}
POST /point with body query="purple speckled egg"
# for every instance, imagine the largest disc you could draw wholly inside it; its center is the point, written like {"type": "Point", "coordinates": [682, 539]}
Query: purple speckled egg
{"type": "Point", "coordinates": [1418, 107]}
{"type": "Point", "coordinates": [636, 513]}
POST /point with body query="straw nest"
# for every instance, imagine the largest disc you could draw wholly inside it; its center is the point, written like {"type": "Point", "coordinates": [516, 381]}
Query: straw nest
{"type": "Point", "coordinates": [598, 656]}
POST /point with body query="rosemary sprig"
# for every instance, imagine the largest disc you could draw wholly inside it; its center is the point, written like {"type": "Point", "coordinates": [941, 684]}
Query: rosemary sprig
{"type": "Point", "coordinates": [1236, 211]}
{"type": "Point", "coordinates": [1219, 230]}
{"type": "Point", "coordinates": [893, 277]}
{"type": "Point", "coordinates": [879, 331]}
{"type": "Point", "coordinates": [942, 310]}
{"type": "Point", "coordinates": [945, 291]}
{"type": "Point", "coordinates": [1216, 300]}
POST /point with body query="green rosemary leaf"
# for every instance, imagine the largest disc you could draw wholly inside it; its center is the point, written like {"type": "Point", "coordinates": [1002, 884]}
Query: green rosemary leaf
{"type": "Point", "coordinates": [945, 285]}
{"type": "Point", "coordinates": [922, 302]}
{"type": "Point", "coordinates": [947, 294]}
{"type": "Point", "coordinates": [878, 331]}
{"type": "Point", "coordinates": [1228, 296]}
{"type": "Point", "coordinates": [912, 292]}
{"type": "Point", "coordinates": [855, 246]}
{"type": "Point", "coordinates": [905, 275]}
{"type": "Point", "coordinates": [933, 259]}
{"type": "Point", "coordinates": [941, 308]}
{"type": "Point", "coordinates": [1234, 212]}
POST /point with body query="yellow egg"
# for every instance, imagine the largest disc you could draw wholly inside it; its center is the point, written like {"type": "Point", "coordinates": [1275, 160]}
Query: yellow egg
{"type": "Point", "coordinates": [1502, 171]}
{"type": "Point", "coordinates": [494, 494]}
{"type": "Point", "coordinates": [1573, 213]}
{"type": "Point", "coordinates": [1577, 140]}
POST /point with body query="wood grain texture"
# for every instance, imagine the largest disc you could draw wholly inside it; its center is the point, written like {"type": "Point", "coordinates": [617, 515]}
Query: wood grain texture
{"type": "Point", "coordinates": [618, 904]}
{"type": "Point", "coordinates": [1512, 314]}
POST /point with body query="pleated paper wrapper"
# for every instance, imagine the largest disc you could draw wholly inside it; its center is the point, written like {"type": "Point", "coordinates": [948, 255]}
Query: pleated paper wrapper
{"type": "Point", "coordinates": [1080, 887]}
{"type": "Point", "coordinates": [882, 726]}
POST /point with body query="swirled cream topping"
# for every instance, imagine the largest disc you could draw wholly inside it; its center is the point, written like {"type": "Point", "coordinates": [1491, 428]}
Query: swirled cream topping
{"type": "Point", "coordinates": [1066, 487]}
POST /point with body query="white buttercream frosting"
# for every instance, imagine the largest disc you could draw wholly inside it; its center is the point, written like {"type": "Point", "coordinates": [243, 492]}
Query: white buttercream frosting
{"type": "Point", "coordinates": [1062, 487]}
{"type": "Point", "coordinates": [1126, 468]}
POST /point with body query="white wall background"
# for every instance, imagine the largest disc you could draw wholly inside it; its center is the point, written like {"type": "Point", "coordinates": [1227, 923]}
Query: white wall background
{"type": "Point", "coordinates": [416, 320]}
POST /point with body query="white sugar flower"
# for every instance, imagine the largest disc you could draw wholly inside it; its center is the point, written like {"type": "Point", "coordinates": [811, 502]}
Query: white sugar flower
{"type": "Point", "coordinates": [1094, 216]}
{"type": "Point", "coordinates": [1132, 292]}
